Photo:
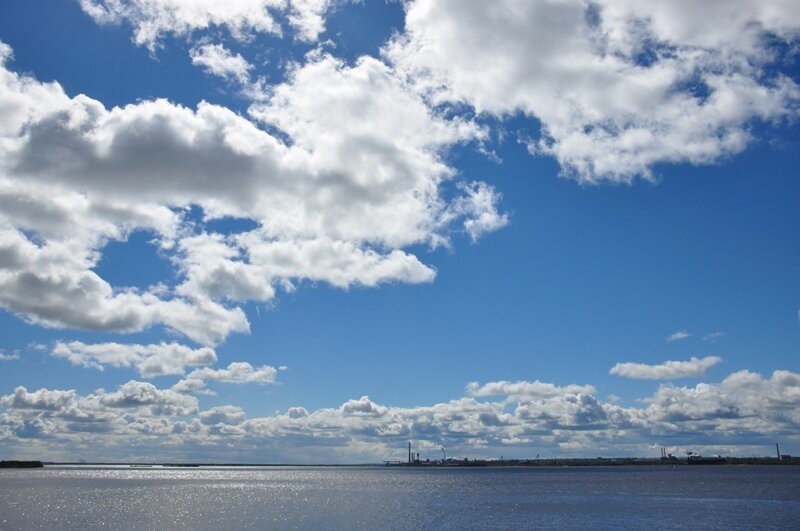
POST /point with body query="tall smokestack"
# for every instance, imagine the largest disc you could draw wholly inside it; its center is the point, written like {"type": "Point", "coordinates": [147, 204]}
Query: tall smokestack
{"type": "Point", "coordinates": [409, 452]}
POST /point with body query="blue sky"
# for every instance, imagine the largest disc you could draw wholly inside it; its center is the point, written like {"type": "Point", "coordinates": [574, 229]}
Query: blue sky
{"type": "Point", "coordinates": [518, 229]}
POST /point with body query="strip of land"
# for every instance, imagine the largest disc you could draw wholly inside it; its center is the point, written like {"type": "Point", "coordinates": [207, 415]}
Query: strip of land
{"type": "Point", "coordinates": [453, 463]}
{"type": "Point", "coordinates": [21, 464]}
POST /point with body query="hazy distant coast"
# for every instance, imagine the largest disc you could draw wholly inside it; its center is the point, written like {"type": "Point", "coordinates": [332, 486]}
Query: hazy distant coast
{"type": "Point", "coordinates": [451, 463]}
{"type": "Point", "coordinates": [599, 461]}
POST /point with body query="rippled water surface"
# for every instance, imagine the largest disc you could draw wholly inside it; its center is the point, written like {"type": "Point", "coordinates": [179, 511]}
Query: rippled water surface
{"type": "Point", "coordinates": [722, 497]}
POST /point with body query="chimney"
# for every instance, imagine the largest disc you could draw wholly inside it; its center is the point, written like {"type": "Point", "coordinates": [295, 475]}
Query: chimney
{"type": "Point", "coordinates": [409, 452]}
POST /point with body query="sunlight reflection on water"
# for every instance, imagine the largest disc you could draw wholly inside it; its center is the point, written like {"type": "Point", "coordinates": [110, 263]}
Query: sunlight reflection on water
{"type": "Point", "coordinates": [380, 498]}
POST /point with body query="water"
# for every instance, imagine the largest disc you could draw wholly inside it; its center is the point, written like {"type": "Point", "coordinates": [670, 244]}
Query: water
{"type": "Point", "coordinates": [715, 497]}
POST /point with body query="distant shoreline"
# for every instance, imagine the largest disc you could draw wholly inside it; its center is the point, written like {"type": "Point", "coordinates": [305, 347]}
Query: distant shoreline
{"type": "Point", "coordinates": [475, 463]}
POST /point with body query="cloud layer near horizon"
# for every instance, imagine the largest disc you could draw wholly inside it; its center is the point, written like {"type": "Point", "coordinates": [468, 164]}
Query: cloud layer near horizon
{"type": "Point", "coordinates": [738, 415]}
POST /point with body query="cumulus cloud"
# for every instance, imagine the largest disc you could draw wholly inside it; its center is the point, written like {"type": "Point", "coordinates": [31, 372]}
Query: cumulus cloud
{"type": "Point", "coordinates": [52, 287]}
{"type": "Point", "coordinates": [743, 402]}
{"type": "Point", "coordinates": [240, 372]}
{"type": "Point", "coordinates": [330, 203]}
{"type": "Point", "coordinates": [222, 415]}
{"type": "Point", "coordinates": [152, 20]}
{"type": "Point", "coordinates": [525, 389]}
{"type": "Point", "coordinates": [149, 360]}
{"type": "Point", "coordinates": [479, 206]}
{"type": "Point", "coordinates": [362, 406]}
{"type": "Point", "coordinates": [618, 86]}
{"type": "Point", "coordinates": [677, 336]}
{"type": "Point", "coordinates": [308, 17]}
{"type": "Point", "coordinates": [297, 412]}
{"type": "Point", "coordinates": [42, 399]}
{"type": "Point", "coordinates": [667, 370]}
{"type": "Point", "coordinates": [192, 386]}
{"type": "Point", "coordinates": [527, 418]}
{"type": "Point", "coordinates": [65, 412]}
{"type": "Point", "coordinates": [160, 401]}
{"type": "Point", "coordinates": [49, 279]}
{"type": "Point", "coordinates": [219, 61]}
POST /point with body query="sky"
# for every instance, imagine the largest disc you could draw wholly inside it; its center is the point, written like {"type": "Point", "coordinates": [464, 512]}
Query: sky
{"type": "Point", "coordinates": [311, 231]}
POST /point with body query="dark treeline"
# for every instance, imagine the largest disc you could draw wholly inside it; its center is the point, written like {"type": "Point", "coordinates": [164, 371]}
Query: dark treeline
{"type": "Point", "coordinates": [21, 464]}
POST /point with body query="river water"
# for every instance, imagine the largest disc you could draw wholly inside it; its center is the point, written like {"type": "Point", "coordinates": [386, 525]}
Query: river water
{"type": "Point", "coordinates": [686, 497]}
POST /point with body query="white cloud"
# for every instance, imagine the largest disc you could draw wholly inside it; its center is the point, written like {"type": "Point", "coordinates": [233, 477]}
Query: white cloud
{"type": "Point", "coordinates": [667, 370]}
{"type": "Point", "coordinates": [152, 20]}
{"type": "Point", "coordinates": [677, 336]}
{"type": "Point", "coordinates": [49, 238]}
{"type": "Point", "coordinates": [335, 204]}
{"type": "Point", "coordinates": [528, 418]}
{"type": "Point", "coordinates": [192, 386]}
{"type": "Point", "coordinates": [525, 389]}
{"type": "Point", "coordinates": [53, 285]}
{"type": "Point", "coordinates": [237, 373]}
{"type": "Point", "coordinates": [619, 86]}
{"type": "Point", "coordinates": [744, 401]}
{"type": "Point", "coordinates": [362, 406]}
{"type": "Point", "coordinates": [8, 357]}
{"type": "Point", "coordinates": [373, 147]}
{"type": "Point", "coordinates": [297, 412]}
{"type": "Point", "coordinates": [479, 206]}
{"type": "Point", "coordinates": [43, 399]}
{"type": "Point", "coordinates": [159, 401]}
{"type": "Point", "coordinates": [222, 415]}
{"type": "Point", "coordinates": [308, 17]}
{"type": "Point", "coordinates": [64, 412]}
{"type": "Point", "coordinates": [713, 336]}
{"type": "Point", "coordinates": [149, 360]}
{"type": "Point", "coordinates": [218, 60]}
{"type": "Point", "coordinates": [212, 267]}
